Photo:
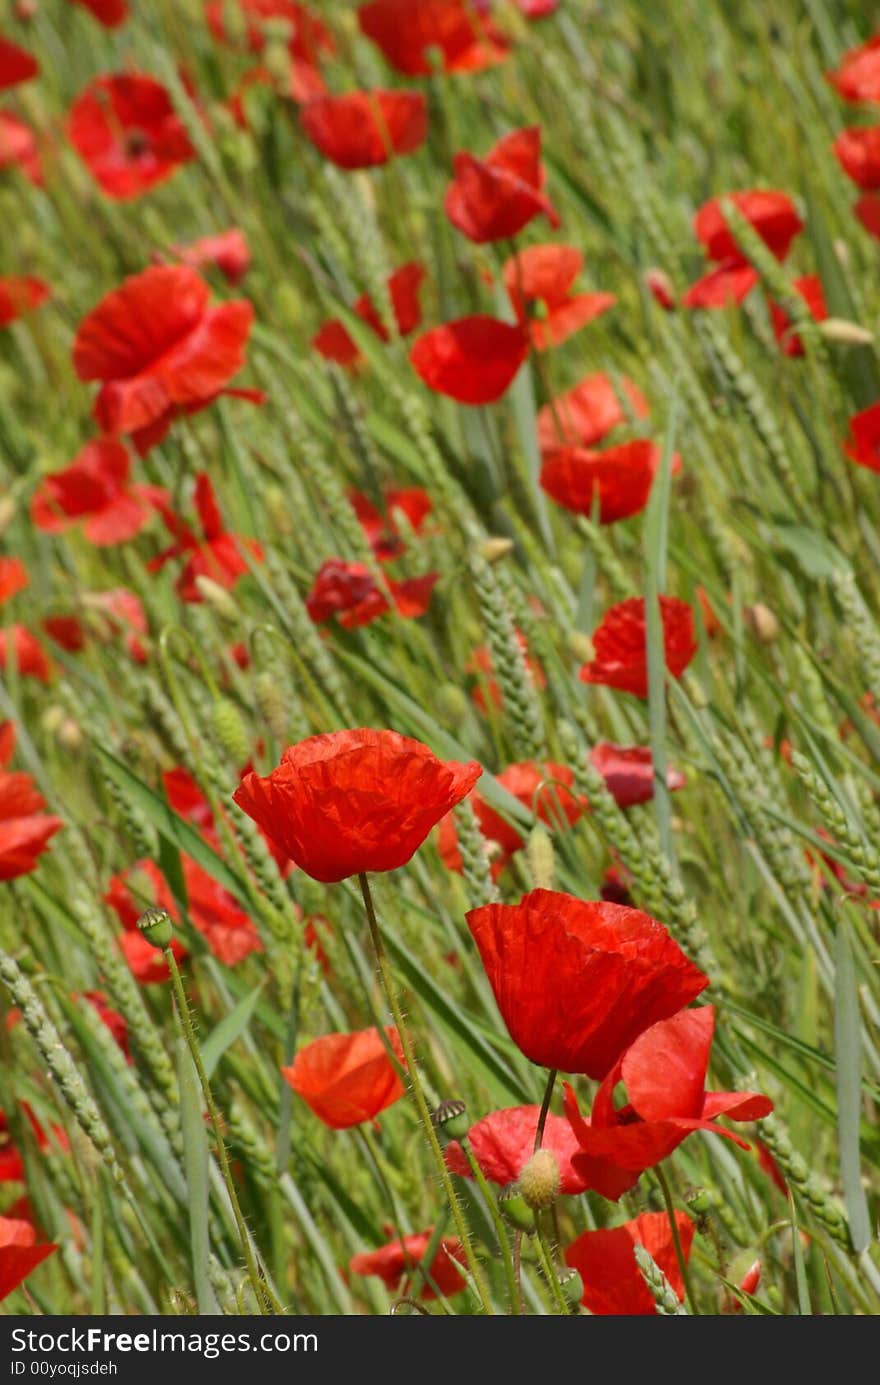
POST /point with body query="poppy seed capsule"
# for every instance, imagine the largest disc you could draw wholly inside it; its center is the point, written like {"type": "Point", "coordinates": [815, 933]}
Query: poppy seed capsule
{"type": "Point", "coordinates": [539, 1180]}
{"type": "Point", "coordinates": [450, 1120]}
{"type": "Point", "coordinates": [572, 1287]}
{"type": "Point", "coordinates": [155, 925]}
{"type": "Point", "coordinates": [514, 1207]}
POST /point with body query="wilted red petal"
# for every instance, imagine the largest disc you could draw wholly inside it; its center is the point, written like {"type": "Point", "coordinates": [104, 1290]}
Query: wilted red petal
{"type": "Point", "coordinates": [473, 360]}
{"type": "Point", "coordinates": [365, 128]}
{"type": "Point", "coordinates": [347, 1079]}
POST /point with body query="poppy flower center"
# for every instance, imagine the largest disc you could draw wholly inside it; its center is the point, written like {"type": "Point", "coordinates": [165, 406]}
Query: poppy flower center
{"type": "Point", "coordinates": [137, 142]}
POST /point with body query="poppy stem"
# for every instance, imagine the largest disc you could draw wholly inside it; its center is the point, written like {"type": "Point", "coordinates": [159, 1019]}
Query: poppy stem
{"type": "Point", "coordinates": [545, 1107]}
{"type": "Point", "coordinates": [676, 1239]}
{"type": "Point", "coordinates": [497, 1222]}
{"type": "Point", "coordinates": [549, 1269]}
{"type": "Point", "coordinates": [266, 1300]}
{"type": "Point", "coordinates": [418, 1095]}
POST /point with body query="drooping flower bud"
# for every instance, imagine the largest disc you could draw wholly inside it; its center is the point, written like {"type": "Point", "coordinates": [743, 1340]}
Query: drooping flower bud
{"type": "Point", "coordinates": [572, 1287]}
{"type": "Point", "coordinates": [514, 1207]}
{"type": "Point", "coordinates": [539, 1180]}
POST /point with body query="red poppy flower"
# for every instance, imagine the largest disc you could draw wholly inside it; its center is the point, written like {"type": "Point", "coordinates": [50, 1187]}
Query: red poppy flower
{"type": "Point", "coordinates": [110, 13]}
{"type": "Point", "coordinates": [115, 1022]}
{"type": "Point", "coordinates": [628, 771]}
{"type": "Point", "coordinates": [858, 153]}
{"type": "Point", "coordinates": [334, 342]}
{"type": "Point", "coordinates": [128, 894]}
{"type": "Point", "coordinates": [723, 287]}
{"type": "Point", "coordinates": [606, 1261]}
{"type": "Point", "coordinates": [494, 198]}
{"type": "Point", "coordinates": [398, 1260]}
{"type": "Point", "coordinates": [810, 290]}
{"type": "Point", "coordinates": [381, 528]}
{"type": "Point", "coordinates": [127, 134]}
{"type": "Point", "coordinates": [486, 691]}
{"type": "Point", "coordinates": [96, 488]}
{"type": "Point", "coordinates": [25, 830]}
{"type": "Point", "coordinates": [13, 578]}
{"type": "Point", "coordinates": [18, 147]}
{"type": "Point", "coordinates": [617, 480]}
{"type": "Point", "coordinates": [365, 128]}
{"type": "Point", "coordinates": [30, 658]}
{"type": "Point", "coordinates": [585, 414]}
{"type": "Point", "coordinates": [664, 1072]}
{"type": "Point", "coordinates": [543, 789]}
{"type": "Point", "coordinates": [866, 208]}
{"type": "Point", "coordinates": [863, 446]}
{"type": "Point", "coordinates": [66, 631]}
{"type": "Point", "coordinates": [12, 1168]}
{"type": "Point", "coordinates": [350, 591]}
{"type": "Point", "coordinates": [544, 274]}
{"type": "Point", "coordinates": [503, 1142]}
{"type": "Point", "coordinates": [125, 613]}
{"type": "Point", "coordinates": [308, 38]}
{"type": "Point", "coordinates": [354, 801]}
{"type": "Point", "coordinates": [771, 214]}
{"type": "Point", "coordinates": [857, 78]}
{"type": "Point", "coordinates": [19, 1253]}
{"type": "Point", "coordinates": [228, 251]}
{"type": "Point", "coordinates": [577, 981]}
{"type": "Point", "coordinates": [217, 554]}
{"type": "Point", "coordinates": [659, 285]}
{"type": "Point", "coordinates": [20, 295]}
{"type": "Point", "coordinates": [346, 1079]}
{"type": "Point", "coordinates": [156, 343]}
{"type": "Point", "coordinates": [616, 885]}
{"type": "Point", "coordinates": [16, 64]}
{"type": "Point", "coordinates": [473, 359]}
{"type": "Point", "coordinates": [186, 798]}
{"type": "Point", "coordinates": [620, 642]}
{"type": "Point", "coordinates": [407, 33]}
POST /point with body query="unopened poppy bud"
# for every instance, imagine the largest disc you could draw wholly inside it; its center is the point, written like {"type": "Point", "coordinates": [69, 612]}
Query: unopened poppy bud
{"type": "Point", "coordinates": [701, 1201]}
{"type": "Point", "coordinates": [69, 734]}
{"type": "Point", "coordinates": [841, 250]}
{"type": "Point", "coordinates": [751, 1279]}
{"type": "Point", "coordinates": [539, 1180]}
{"type": "Point", "coordinates": [539, 852]}
{"type": "Point", "coordinates": [762, 622]}
{"type": "Point", "coordinates": [515, 1208]}
{"type": "Point", "coordinates": [217, 596]}
{"type": "Point", "coordinates": [572, 1287]}
{"type": "Point", "coordinates": [155, 925]}
{"type": "Point", "coordinates": [581, 646]}
{"type": "Point", "coordinates": [52, 719]}
{"type": "Point", "coordinates": [494, 549]}
{"type": "Point", "coordinates": [450, 1119]}
{"type": "Point", "coordinates": [849, 333]}
{"type": "Point", "coordinates": [229, 731]}
{"type": "Point", "coordinates": [659, 284]}
{"type": "Point", "coordinates": [7, 511]}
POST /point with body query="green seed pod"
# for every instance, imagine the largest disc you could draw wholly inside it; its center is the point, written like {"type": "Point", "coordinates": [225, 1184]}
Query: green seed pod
{"type": "Point", "coordinates": [229, 731]}
{"type": "Point", "coordinates": [515, 1208]}
{"type": "Point", "coordinates": [155, 925]}
{"type": "Point", "coordinates": [449, 1119]}
{"type": "Point", "coordinates": [269, 697]}
{"type": "Point", "coordinates": [540, 1179]}
{"type": "Point", "coordinates": [572, 1287]}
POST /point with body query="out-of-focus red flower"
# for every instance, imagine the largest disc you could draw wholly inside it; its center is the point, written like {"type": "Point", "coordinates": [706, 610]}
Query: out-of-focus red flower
{"type": "Point", "coordinates": [772, 215]}
{"type": "Point", "coordinates": [147, 963]}
{"type": "Point", "coordinates": [228, 251]}
{"type": "Point", "coordinates": [542, 789]}
{"type": "Point", "coordinates": [617, 480]}
{"type": "Point", "coordinates": [346, 1079]}
{"type": "Point", "coordinates": [725, 286]}
{"type": "Point", "coordinates": [857, 78]}
{"type": "Point", "coordinates": [13, 578]}
{"type": "Point", "coordinates": [628, 771]}
{"type": "Point", "coordinates": [12, 1168]}
{"type": "Point", "coordinates": [606, 1261]}
{"type": "Point", "coordinates": [406, 34]}
{"type": "Point", "coordinates": [156, 345]}
{"type": "Point", "coordinates": [863, 445]}
{"type": "Point", "coordinates": [866, 208]}
{"type": "Point", "coordinates": [494, 198]}
{"type": "Point", "coordinates": [615, 886]}
{"type": "Point", "coordinates": [585, 414]}
{"type": "Point", "coordinates": [18, 147]}
{"type": "Point", "coordinates": [381, 530]}
{"type": "Point", "coordinates": [186, 798]}
{"type": "Point", "coordinates": [19, 295]}
{"type": "Point", "coordinates": [115, 1022]}
{"type": "Point", "coordinates": [354, 801]}
{"type": "Point", "coordinates": [858, 153]}
{"type": "Point", "coordinates": [398, 1260]}
{"type": "Point", "coordinates": [659, 285]}
{"type": "Point", "coordinates": [308, 37]}
{"type": "Point", "coordinates": [25, 830]}
{"type": "Point", "coordinates": [770, 1167]}
{"type": "Point", "coordinates": [31, 660]}
{"type": "Point", "coordinates": [19, 1253]}
{"type": "Point", "coordinates": [486, 690]}
{"type": "Point", "coordinates": [126, 131]}
{"type": "Point", "coordinates": [217, 554]}
{"type": "Point", "coordinates": [95, 488]}
{"type": "Point", "coordinates": [365, 128]}
{"type": "Point", "coordinates": [504, 1141]}
{"type": "Point", "coordinates": [576, 981]}
{"type": "Point", "coordinates": [66, 631]}
{"type": "Point", "coordinates": [350, 591]}
{"type": "Point", "coordinates": [335, 343]}
{"type": "Point", "coordinates": [110, 13]}
{"type": "Point", "coordinates": [16, 64]}
{"type": "Point", "coordinates": [810, 290]}
{"type": "Point", "coordinates": [126, 614]}
{"type": "Point", "coordinates": [473, 360]}
{"type": "Point", "coordinates": [664, 1072]}
{"type": "Point", "coordinates": [620, 642]}
{"type": "Point", "coordinates": [544, 274]}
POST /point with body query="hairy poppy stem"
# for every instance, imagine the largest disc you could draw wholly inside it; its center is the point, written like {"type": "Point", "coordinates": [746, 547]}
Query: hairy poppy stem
{"type": "Point", "coordinates": [266, 1300]}
{"type": "Point", "coordinates": [545, 1257]}
{"type": "Point", "coordinates": [418, 1095]}
{"type": "Point", "coordinates": [545, 1107]}
{"type": "Point", "coordinates": [497, 1222]}
{"type": "Point", "coordinates": [676, 1239]}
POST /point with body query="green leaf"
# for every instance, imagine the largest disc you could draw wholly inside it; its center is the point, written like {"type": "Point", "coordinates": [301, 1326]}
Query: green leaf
{"type": "Point", "coordinates": [813, 552]}
{"type": "Point", "coordinates": [230, 1028]}
{"type": "Point", "coordinates": [847, 1048]}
